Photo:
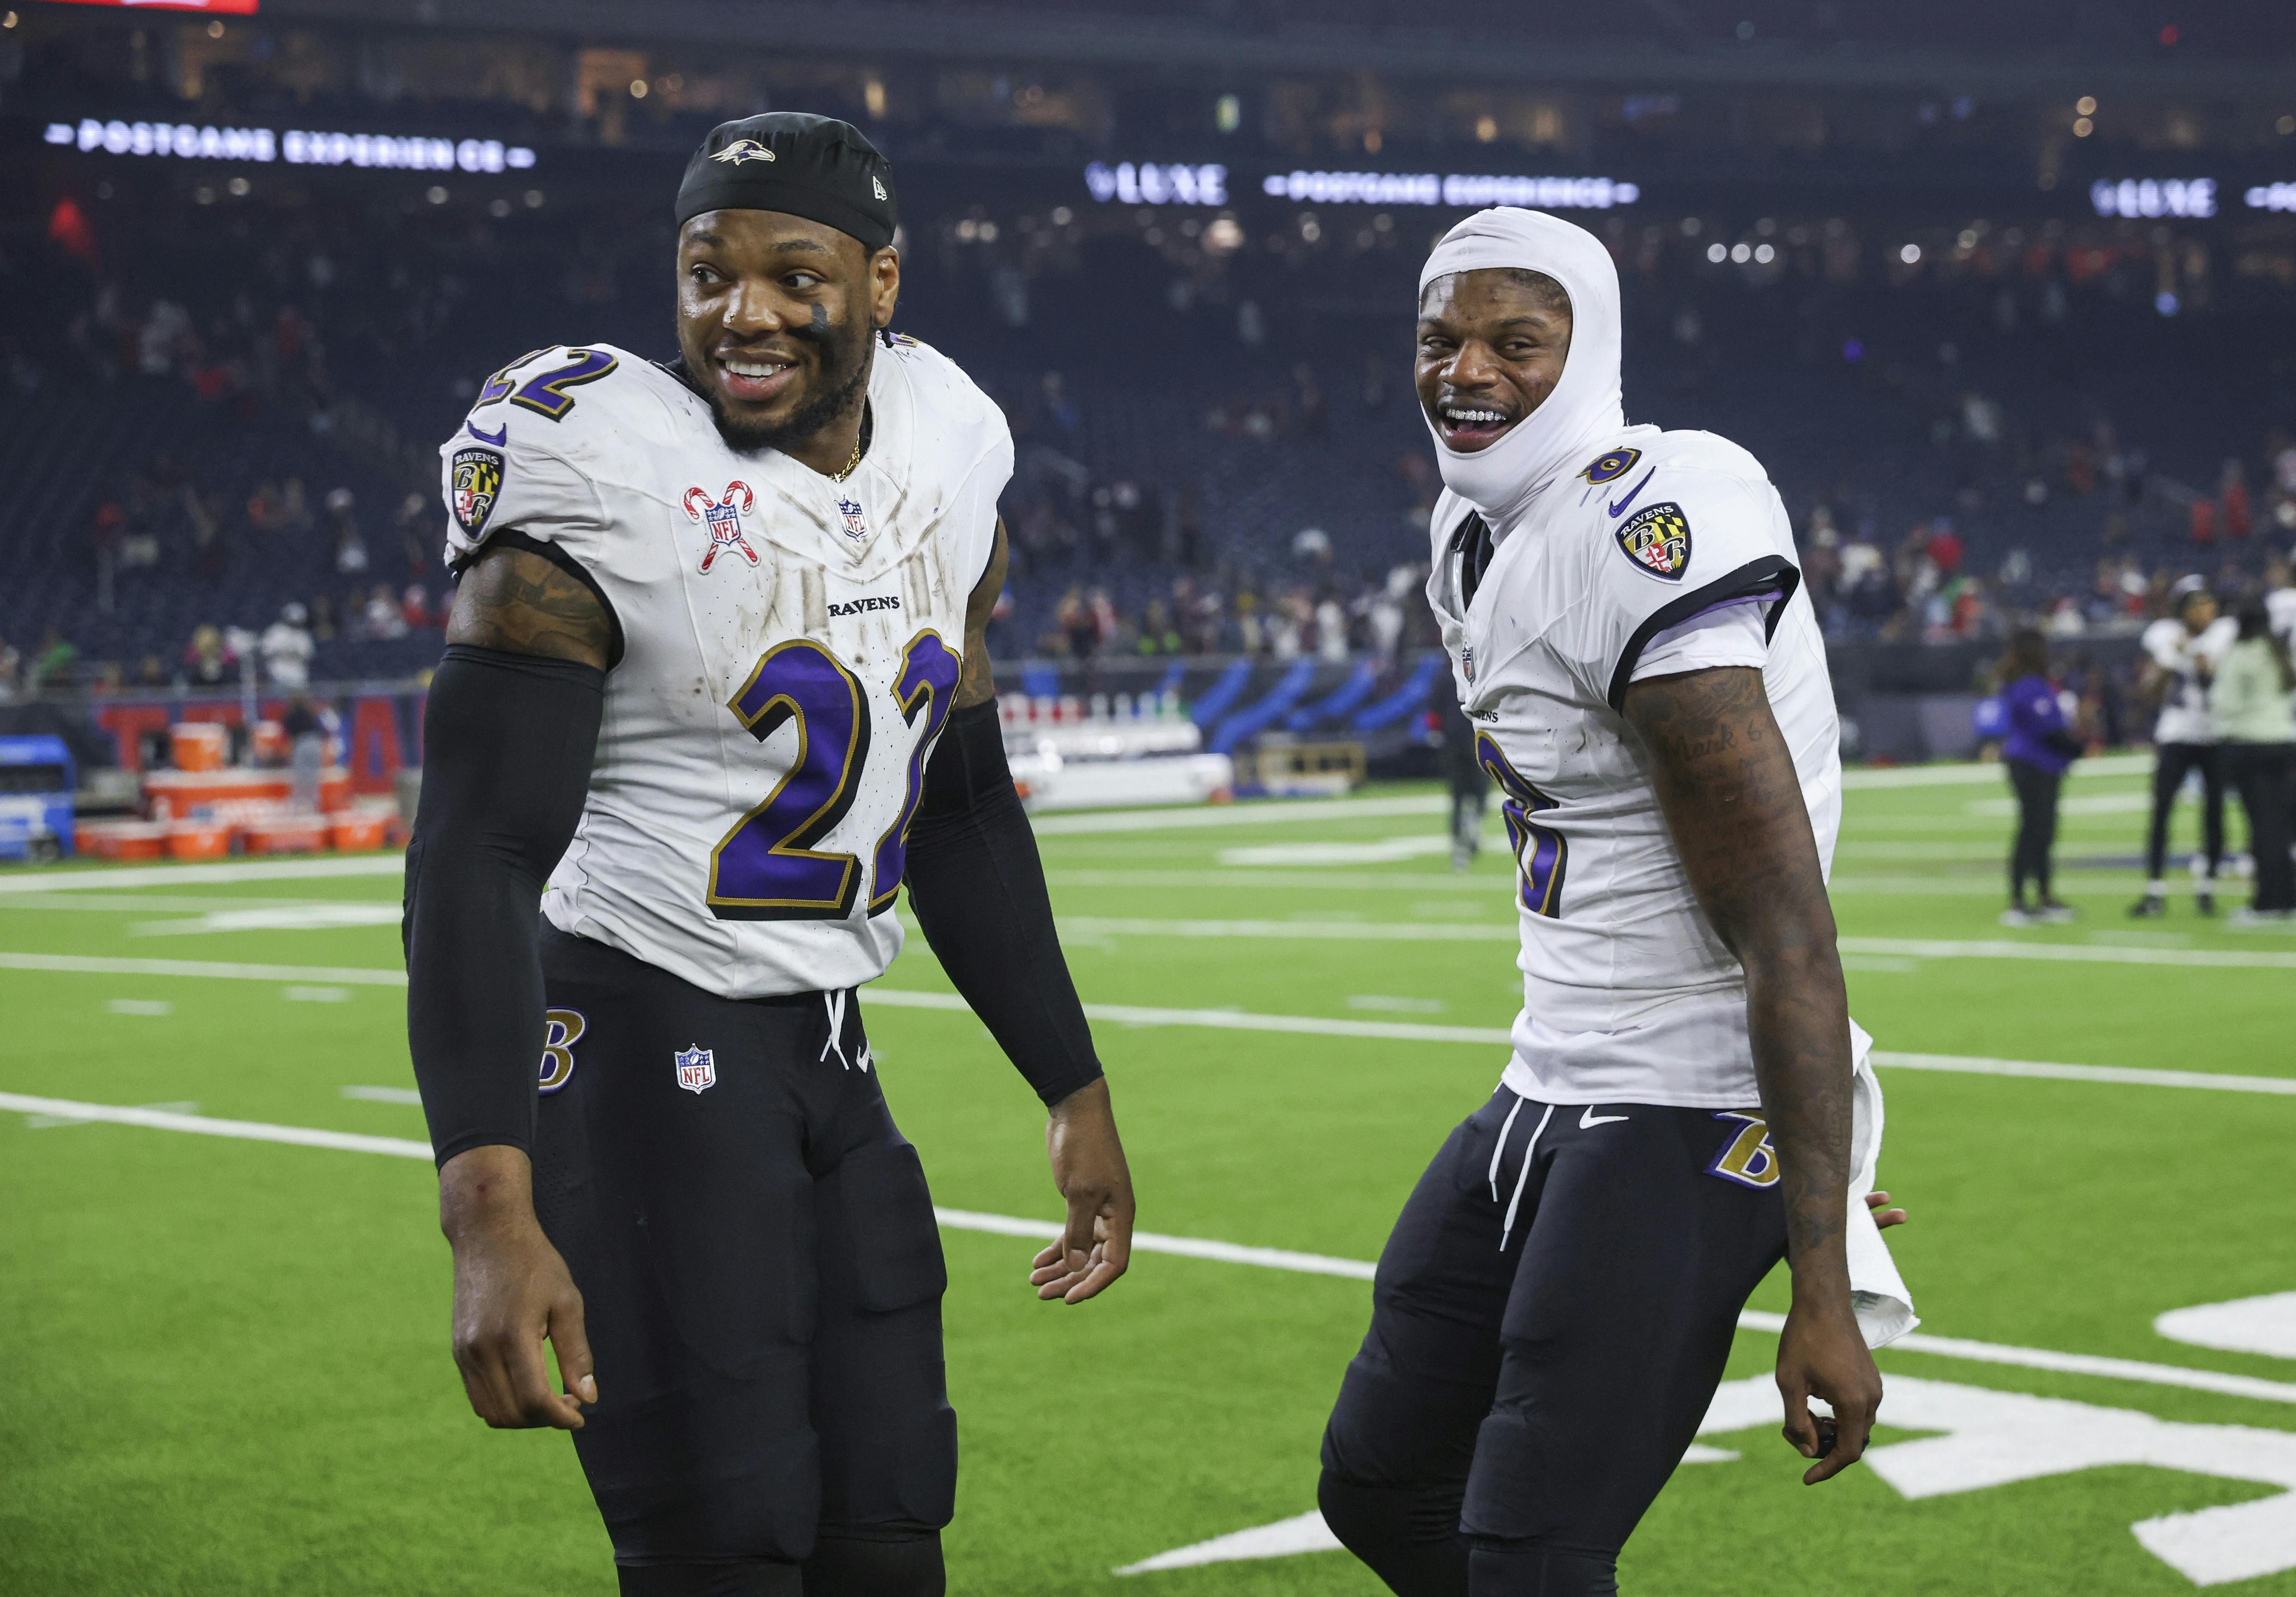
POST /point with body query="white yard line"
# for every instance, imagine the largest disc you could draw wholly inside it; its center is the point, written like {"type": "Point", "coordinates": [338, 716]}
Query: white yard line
{"type": "Point", "coordinates": [1230, 1253]}
{"type": "Point", "coordinates": [1354, 931]}
{"type": "Point", "coordinates": [1216, 1019]}
{"type": "Point", "coordinates": [1274, 812]}
{"type": "Point", "coordinates": [2240, 959]}
{"type": "Point", "coordinates": [162, 876]}
{"type": "Point", "coordinates": [2069, 1364]}
{"type": "Point", "coordinates": [1221, 1019]}
{"type": "Point", "coordinates": [85, 964]}
{"type": "Point", "coordinates": [2119, 1075]}
{"type": "Point", "coordinates": [1958, 775]}
{"type": "Point", "coordinates": [161, 904]}
{"type": "Point", "coordinates": [1494, 885]}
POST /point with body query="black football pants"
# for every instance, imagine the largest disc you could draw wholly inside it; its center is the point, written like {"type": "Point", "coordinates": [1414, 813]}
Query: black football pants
{"type": "Point", "coordinates": [2030, 860]}
{"type": "Point", "coordinates": [761, 1279]}
{"type": "Point", "coordinates": [2171, 762]}
{"type": "Point", "coordinates": [1526, 1388]}
{"type": "Point", "coordinates": [2266, 775]}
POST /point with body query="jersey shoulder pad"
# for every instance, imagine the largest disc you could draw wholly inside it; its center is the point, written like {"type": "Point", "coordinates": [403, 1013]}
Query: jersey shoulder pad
{"type": "Point", "coordinates": [544, 382]}
{"type": "Point", "coordinates": [519, 458]}
{"type": "Point", "coordinates": [1687, 510]}
{"type": "Point", "coordinates": [1692, 524]}
{"type": "Point", "coordinates": [942, 388]}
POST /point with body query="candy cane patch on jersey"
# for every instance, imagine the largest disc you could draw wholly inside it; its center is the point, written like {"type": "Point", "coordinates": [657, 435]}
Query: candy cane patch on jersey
{"type": "Point", "coordinates": [723, 517]}
{"type": "Point", "coordinates": [1657, 539]}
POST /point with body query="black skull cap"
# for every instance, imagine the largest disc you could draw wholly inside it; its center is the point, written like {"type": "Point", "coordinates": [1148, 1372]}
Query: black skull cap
{"type": "Point", "coordinates": [796, 162]}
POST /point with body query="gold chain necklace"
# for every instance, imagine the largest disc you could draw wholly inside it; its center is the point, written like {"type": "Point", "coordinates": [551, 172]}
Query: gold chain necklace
{"type": "Point", "coordinates": [851, 466]}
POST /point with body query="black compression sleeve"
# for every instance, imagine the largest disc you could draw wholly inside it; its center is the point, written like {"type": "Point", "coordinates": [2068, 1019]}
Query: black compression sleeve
{"type": "Point", "coordinates": [507, 742]}
{"type": "Point", "coordinates": [978, 888]}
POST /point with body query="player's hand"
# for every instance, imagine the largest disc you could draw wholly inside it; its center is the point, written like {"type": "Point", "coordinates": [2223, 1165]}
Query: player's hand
{"type": "Point", "coordinates": [1087, 1159]}
{"type": "Point", "coordinates": [1823, 1354]}
{"type": "Point", "coordinates": [1884, 1215]}
{"type": "Point", "coordinates": [511, 1291]}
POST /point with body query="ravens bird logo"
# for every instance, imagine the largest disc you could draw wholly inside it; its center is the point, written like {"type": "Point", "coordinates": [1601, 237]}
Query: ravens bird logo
{"type": "Point", "coordinates": [742, 150]}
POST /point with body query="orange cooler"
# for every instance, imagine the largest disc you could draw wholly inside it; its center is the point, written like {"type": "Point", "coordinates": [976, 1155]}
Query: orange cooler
{"type": "Point", "coordinates": [199, 745]}
{"type": "Point", "coordinates": [358, 830]}
{"type": "Point", "coordinates": [199, 839]}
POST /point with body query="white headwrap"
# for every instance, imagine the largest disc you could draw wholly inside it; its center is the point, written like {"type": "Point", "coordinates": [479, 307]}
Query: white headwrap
{"type": "Point", "coordinates": [1585, 407]}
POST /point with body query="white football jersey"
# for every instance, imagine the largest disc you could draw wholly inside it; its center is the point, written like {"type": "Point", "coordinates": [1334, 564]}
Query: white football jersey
{"type": "Point", "coordinates": [2185, 717]}
{"type": "Point", "coordinates": [788, 648]}
{"type": "Point", "coordinates": [1670, 541]}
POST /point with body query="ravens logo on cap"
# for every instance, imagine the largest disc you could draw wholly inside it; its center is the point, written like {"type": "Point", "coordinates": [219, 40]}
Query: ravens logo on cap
{"type": "Point", "coordinates": [742, 150]}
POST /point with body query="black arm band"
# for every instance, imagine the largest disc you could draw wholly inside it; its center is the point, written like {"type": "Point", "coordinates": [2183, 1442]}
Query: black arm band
{"type": "Point", "coordinates": [978, 888]}
{"type": "Point", "coordinates": [507, 742]}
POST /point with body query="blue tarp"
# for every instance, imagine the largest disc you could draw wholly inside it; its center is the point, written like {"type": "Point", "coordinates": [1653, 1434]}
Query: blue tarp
{"type": "Point", "coordinates": [1407, 700]}
{"type": "Point", "coordinates": [1221, 694]}
{"type": "Point", "coordinates": [1342, 703]}
{"type": "Point", "coordinates": [1265, 714]}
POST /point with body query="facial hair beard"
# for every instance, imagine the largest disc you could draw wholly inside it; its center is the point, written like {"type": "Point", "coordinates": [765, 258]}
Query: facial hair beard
{"type": "Point", "coordinates": [847, 352]}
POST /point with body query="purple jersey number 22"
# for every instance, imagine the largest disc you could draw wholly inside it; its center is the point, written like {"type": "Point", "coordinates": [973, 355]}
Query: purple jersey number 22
{"type": "Point", "coordinates": [767, 868]}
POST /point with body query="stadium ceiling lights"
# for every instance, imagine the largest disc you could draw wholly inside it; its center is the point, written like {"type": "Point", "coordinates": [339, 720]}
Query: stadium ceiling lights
{"type": "Point", "coordinates": [296, 146]}
{"type": "Point", "coordinates": [2152, 197]}
{"type": "Point", "coordinates": [1155, 183]}
{"type": "Point", "coordinates": [1158, 183]}
{"type": "Point", "coordinates": [1457, 188]}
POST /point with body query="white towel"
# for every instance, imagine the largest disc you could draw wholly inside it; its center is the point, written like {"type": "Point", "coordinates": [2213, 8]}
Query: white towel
{"type": "Point", "coordinates": [1884, 1307]}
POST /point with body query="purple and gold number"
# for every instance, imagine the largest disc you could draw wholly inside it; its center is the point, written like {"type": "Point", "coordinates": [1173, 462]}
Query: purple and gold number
{"type": "Point", "coordinates": [928, 685]}
{"type": "Point", "coordinates": [1542, 854]}
{"type": "Point", "coordinates": [766, 868]}
{"type": "Point", "coordinates": [546, 394]}
{"type": "Point", "coordinates": [502, 384]}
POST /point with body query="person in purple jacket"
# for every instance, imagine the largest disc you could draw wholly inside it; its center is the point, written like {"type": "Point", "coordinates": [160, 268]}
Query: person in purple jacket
{"type": "Point", "coordinates": [2037, 751]}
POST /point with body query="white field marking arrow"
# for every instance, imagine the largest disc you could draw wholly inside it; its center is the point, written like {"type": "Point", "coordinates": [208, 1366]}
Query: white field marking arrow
{"type": "Point", "coordinates": [1991, 1439]}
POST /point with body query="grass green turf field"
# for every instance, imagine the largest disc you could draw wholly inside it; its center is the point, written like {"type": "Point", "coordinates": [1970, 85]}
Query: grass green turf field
{"type": "Point", "coordinates": [226, 1358]}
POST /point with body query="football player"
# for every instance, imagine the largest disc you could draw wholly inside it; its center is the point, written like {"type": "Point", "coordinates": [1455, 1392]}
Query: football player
{"type": "Point", "coordinates": [1687, 1100]}
{"type": "Point", "coordinates": [715, 686]}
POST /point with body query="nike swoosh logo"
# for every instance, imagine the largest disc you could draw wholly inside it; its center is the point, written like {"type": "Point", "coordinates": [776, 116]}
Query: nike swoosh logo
{"type": "Point", "coordinates": [1587, 1119]}
{"type": "Point", "coordinates": [501, 433]}
{"type": "Point", "coordinates": [1629, 499]}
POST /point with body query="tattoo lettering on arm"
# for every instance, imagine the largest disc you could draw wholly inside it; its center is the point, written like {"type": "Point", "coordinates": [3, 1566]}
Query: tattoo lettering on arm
{"type": "Point", "coordinates": [977, 684]}
{"type": "Point", "coordinates": [1733, 803]}
{"type": "Point", "coordinates": [518, 601]}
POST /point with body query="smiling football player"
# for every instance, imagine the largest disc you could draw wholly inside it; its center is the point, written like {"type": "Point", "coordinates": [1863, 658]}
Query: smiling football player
{"type": "Point", "coordinates": [1687, 1100]}
{"type": "Point", "coordinates": [717, 673]}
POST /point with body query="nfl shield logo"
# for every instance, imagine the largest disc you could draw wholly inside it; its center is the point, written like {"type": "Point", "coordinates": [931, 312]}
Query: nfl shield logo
{"type": "Point", "coordinates": [723, 518]}
{"type": "Point", "coordinates": [697, 1069]}
{"type": "Point", "coordinates": [1467, 661]}
{"type": "Point", "coordinates": [856, 527]}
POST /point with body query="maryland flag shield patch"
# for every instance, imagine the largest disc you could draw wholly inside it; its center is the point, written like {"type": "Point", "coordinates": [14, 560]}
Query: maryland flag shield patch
{"type": "Point", "coordinates": [477, 483]}
{"type": "Point", "coordinates": [1657, 539]}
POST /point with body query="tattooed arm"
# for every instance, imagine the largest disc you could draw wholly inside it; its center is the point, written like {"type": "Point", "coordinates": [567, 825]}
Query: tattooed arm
{"type": "Point", "coordinates": [522, 602]}
{"type": "Point", "coordinates": [978, 683]}
{"type": "Point", "coordinates": [1733, 802]}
